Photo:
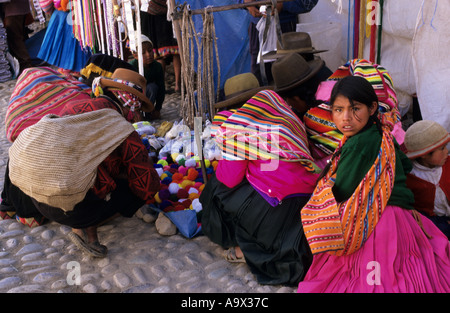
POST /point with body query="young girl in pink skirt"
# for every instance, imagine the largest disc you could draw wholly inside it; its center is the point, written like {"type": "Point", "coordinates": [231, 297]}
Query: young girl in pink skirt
{"type": "Point", "coordinates": [360, 222]}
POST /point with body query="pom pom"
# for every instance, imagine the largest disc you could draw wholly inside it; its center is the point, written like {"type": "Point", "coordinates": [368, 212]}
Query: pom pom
{"type": "Point", "coordinates": [182, 170]}
{"type": "Point", "coordinates": [214, 164]}
{"type": "Point", "coordinates": [163, 175]}
{"type": "Point", "coordinates": [192, 174]}
{"type": "Point", "coordinates": [192, 190]}
{"type": "Point", "coordinates": [169, 174]}
{"type": "Point", "coordinates": [177, 177]}
{"type": "Point", "coordinates": [190, 163]}
{"type": "Point", "coordinates": [164, 204]}
{"type": "Point", "coordinates": [186, 183]}
{"type": "Point", "coordinates": [186, 203]}
{"type": "Point", "coordinates": [164, 194]}
{"type": "Point", "coordinates": [182, 194]}
{"type": "Point", "coordinates": [173, 188]}
{"type": "Point", "coordinates": [196, 185]}
{"type": "Point", "coordinates": [179, 207]}
{"type": "Point", "coordinates": [200, 189]}
{"type": "Point", "coordinates": [157, 198]}
{"type": "Point", "coordinates": [174, 156]}
{"type": "Point", "coordinates": [166, 168]}
{"type": "Point", "coordinates": [193, 196]}
{"type": "Point", "coordinates": [166, 180]}
{"type": "Point", "coordinates": [163, 162]}
{"type": "Point", "coordinates": [207, 163]}
{"type": "Point", "coordinates": [172, 170]}
{"type": "Point", "coordinates": [173, 198]}
{"type": "Point", "coordinates": [196, 205]}
{"type": "Point", "coordinates": [159, 171]}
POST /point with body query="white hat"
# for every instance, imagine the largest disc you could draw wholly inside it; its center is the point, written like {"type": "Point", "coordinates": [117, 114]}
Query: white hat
{"type": "Point", "coordinates": [145, 39]}
{"type": "Point", "coordinates": [424, 136]}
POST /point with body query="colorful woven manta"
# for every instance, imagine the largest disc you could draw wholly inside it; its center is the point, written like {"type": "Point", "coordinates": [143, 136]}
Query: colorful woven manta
{"type": "Point", "coordinates": [38, 92]}
{"type": "Point", "coordinates": [342, 228]}
{"type": "Point", "coordinates": [265, 128]}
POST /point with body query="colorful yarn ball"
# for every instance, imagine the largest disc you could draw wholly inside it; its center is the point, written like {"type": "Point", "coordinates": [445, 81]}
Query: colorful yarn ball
{"type": "Point", "coordinates": [190, 163]}
{"type": "Point", "coordinates": [186, 203]}
{"type": "Point", "coordinates": [159, 171]}
{"type": "Point", "coordinates": [193, 196]}
{"type": "Point", "coordinates": [196, 205]}
{"type": "Point", "coordinates": [182, 194]}
{"type": "Point", "coordinates": [192, 174]}
{"type": "Point", "coordinates": [179, 207]}
{"type": "Point", "coordinates": [174, 156]}
{"type": "Point", "coordinates": [166, 180]}
{"type": "Point", "coordinates": [164, 194]}
{"type": "Point", "coordinates": [186, 183]}
{"type": "Point", "coordinates": [182, 170]}
{"type": "Point", "coordinates": [192, 190]}
{"type": "Point", "coordinates": [164, 204]}
{"type": "Point", "coordinates": [177, 177]}
{"type": "Point", "coordinates": [173, 188]}
{"type": "Point", "coordinates": [162, 162]}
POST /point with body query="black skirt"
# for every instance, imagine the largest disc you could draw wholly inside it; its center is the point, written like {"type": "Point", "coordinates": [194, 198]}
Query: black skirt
{"type": "Point", "coordinates": [271, 238]}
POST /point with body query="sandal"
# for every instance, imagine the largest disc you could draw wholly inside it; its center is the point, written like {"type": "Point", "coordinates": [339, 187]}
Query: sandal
{"type": "Point", "coordinates": [94, 249]}
{"type": "Point", "coordinates": [230, 256]}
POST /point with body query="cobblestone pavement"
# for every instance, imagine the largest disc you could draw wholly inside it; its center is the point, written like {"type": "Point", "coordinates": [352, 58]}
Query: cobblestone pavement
{"type": "Point", "coordinates": [43, 259]}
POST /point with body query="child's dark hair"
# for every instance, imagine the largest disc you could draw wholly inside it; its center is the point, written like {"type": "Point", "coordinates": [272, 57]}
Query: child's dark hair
{"type": "Point", "coordinates": [354, 88]}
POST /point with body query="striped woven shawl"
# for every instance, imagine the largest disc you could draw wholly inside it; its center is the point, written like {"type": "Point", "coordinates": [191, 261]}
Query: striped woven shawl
{"type": "Point", "coordinates": [38, 92]}
{"type": "Point", "coordinates": [342, 228]}
{"type": "Point", "coordinates": [265, 128]}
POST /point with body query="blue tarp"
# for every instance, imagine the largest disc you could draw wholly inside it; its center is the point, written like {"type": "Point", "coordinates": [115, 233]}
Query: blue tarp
{"type": "Point", "coordinates": [232, 37]}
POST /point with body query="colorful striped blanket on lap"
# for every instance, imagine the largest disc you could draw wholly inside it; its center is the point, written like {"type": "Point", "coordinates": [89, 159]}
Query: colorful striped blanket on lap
{"type": "Point", "coordinates": [265, 128]}
{"type": "Point", "coordinates": [38, 92]}
{"type": "Point", "coordinates": [342, 228]}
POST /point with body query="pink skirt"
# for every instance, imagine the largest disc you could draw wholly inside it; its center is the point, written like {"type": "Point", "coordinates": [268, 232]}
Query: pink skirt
{"type": "Point", "coordinates": [398, 257]}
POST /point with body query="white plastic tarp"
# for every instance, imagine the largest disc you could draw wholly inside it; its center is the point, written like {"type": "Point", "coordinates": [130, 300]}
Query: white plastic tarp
{"type": "Point", "coordinates": [431, 46]}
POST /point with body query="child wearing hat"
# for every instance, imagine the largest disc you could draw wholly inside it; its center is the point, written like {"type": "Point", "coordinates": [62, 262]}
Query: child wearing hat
{"type": "Point", "coordinates": [154, 74]}
{"type": "Point", "coordinates": [426, 142]}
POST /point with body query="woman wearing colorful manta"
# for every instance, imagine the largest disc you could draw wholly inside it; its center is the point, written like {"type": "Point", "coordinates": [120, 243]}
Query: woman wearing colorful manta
{"type": "Point", "coordinates": [251, 206]}
{"type": "Point", "coordinates": [360, 222]}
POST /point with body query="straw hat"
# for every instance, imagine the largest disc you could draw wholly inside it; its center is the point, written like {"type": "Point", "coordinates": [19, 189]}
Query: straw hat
{"type": "Point", "coordinates": [132, 82]}
{"type": "Point", "coordinates": [292, 42]}
{"type": "Point", "coordinates": [292, 70]}
{"type": "Point", "coordinates": [424, 136]}
{"type": "Point", "coordinates": [238, 89]}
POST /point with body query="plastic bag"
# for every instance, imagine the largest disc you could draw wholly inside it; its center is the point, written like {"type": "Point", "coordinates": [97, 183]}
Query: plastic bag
{"type": "Point", "coordinates": [270, 44]}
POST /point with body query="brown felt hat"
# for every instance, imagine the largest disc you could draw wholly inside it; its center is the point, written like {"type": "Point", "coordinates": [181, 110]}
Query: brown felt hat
{"type": "Point", "coordinates": [424, 136]}
{"type": "Point", "coordinates": [292, 42]}
{"type": "Point", "coordinates": [132, 82]}
{"type": "Point", "coordinates": [293, 70]}
{"type": "Point", "coordinates": [238, 89]}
